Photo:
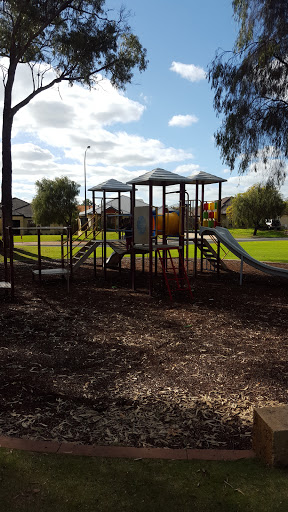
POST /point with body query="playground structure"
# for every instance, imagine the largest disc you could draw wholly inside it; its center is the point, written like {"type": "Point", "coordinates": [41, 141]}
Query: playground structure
{"type": "Point", "coordinates": [155, 233]}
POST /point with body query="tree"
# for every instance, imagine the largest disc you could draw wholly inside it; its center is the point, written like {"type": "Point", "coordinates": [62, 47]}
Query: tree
{"type": "Point", "coordinates": [88, 202]}
{"type": "Point", "coordinates": [258, 203]}
{"type": "Point", "coordinates": [55, 202]}
{"type": "Point", "coordinates": [77, 39]}
{"type": "Point", "coordinates": [250, 87]}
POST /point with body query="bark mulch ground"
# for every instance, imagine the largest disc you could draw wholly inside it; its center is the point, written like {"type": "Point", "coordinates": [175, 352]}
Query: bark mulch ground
{"type": "Point", "coordinates": [106, 365]}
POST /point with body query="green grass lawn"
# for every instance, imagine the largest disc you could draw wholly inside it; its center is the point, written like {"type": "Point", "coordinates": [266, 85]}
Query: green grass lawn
{"type": "Point", "coordinates": [40, 482]}
{"type": "Point", "coordinates": [248, 233]}
{"type": "Point", "coordinates": [237, 233]}
{"type": "Point", "coordinates": [273, 251]}
{"type": "Point", "coordinates": [56, 238]}
{"type": "Point", "coordinates": [276, 251]}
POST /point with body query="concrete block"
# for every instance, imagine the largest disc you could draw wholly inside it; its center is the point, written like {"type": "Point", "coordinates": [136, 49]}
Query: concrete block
{"type": "Point", "coordinates": [270, 435]}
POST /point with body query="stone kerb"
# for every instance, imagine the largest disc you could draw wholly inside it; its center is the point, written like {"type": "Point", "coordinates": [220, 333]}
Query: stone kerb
{"type": "Point", "coordinates": [270, 435]}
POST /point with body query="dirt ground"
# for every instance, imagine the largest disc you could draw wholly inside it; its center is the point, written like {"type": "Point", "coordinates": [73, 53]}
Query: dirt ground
{"type": "Point", "coordinates": [107, 365]}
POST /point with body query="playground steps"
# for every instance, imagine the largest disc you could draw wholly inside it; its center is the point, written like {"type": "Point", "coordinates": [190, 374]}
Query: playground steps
{"type": "Point", "coordinates": [84, 252]}
{"type": "Point", "coordinates": [210, 254]}
{"type": "Point", "coordinates": [177, 276]}
{"type": "Point", "coordinates": [119, 248]}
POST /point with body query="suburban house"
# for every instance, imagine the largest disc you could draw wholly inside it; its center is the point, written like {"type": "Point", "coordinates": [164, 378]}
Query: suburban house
{"type": "Point", "coordinates": [284, 221]}
{"type": "Point", "coordinates": [225, 202]}
{"type": "Point", "coordinates": [112, 210]}
{"type": "Point", "coordinates": [22, 215]}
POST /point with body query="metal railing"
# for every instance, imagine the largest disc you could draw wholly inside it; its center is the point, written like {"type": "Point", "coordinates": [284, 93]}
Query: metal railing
{"type": "Point", "coordinates": [89, 231]}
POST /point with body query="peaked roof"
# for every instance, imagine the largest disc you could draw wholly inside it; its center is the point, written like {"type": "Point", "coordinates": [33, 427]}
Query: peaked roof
{"type": "Point", "coordinates": [111, 186]}
{"type": "Point", "coordinates": [204, 178]}
{"type": "Point", "coordinates": [159, 177]}
{"type": "Point", "coordinates": [125, 205]}
{"type": "Point", "coordinates": [19, 208]}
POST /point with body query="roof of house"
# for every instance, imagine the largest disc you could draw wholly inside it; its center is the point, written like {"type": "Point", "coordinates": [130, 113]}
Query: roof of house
{"type": "Point", "coordinates": [113, 203]}
{"type": "Point", "coordinates": [19, 208]}
{"type": "Point", "coordinates": [225, 202]}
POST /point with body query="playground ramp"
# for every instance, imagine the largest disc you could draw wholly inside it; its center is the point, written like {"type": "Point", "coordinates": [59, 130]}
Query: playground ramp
{"type": "Point", "coordinates": [224, 236]}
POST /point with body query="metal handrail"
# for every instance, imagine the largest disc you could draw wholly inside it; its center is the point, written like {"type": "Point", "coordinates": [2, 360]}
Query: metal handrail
{"type": "Point", "coordinates": [86, 228]}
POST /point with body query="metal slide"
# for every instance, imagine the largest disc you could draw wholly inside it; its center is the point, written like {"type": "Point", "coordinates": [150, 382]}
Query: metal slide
{"type": "Point", "coordinates": [224, 236]}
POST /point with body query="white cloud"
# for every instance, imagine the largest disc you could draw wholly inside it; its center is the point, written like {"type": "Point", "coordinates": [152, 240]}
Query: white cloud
{"type": "Point", "coordinates": [182, 120]}
{"type": "Point", "coordinates": [240, 183]}
{"type": "Point", "coordinates": [51, 133]}
{"type": "Point", "coordinates": [188, 71]}
{"type": "Point", "coordinates": [187, 169]}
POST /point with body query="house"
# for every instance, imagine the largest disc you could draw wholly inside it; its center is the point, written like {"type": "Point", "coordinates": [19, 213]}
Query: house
{"type": "Point", "coordinates": [284, 221]}
{"type": "Point", "coordinates": [225, 203]}
{"type": "Point", "coordinates": [22, 215]}
{"type": "Point", "coordinates": [112, 211]}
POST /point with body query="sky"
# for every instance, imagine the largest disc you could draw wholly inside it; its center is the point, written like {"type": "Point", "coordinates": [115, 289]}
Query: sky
{"type": "Point", "coordinates": [165, 117]}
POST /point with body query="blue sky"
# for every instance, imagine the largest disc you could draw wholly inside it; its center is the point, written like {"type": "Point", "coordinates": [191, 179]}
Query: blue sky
{"type": "Point", "coordinates": [165, 118]}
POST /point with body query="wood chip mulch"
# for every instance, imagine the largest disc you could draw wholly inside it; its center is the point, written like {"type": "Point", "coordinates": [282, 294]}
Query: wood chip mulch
{"type": "Point", "coordinates": [109, 366]}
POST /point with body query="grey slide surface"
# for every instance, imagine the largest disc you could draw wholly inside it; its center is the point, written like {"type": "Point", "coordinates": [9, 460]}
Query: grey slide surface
{"type": "Point", "coordinates": [224, 236]}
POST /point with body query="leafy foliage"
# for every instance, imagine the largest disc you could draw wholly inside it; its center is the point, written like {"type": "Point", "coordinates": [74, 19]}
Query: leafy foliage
{"type": "Point", "coordinates": [251, 89]}
{"type": "Point", "coordinates": [88, 202]}
{"type": "Point", "coordinates": [74, 37]}
{"type": "Point", "coordinates": [55, 201]}
{"type": "Point", "coordinates": [77, 40]}
{"type": "Point", "coordinates": [258, 203]}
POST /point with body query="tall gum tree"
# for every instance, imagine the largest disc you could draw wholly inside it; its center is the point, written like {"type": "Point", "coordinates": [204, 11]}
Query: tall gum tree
{"type": "Point", "coordinates": [250, 86]}
{"type": "Point", "coordinates": [77, 39]}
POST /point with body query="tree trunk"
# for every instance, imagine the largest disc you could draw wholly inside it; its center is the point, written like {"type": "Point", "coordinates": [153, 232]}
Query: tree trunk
{"type": "Point", "coordinates": [6, 150]}
{"type": "Point", "coordinates": [255, 230]}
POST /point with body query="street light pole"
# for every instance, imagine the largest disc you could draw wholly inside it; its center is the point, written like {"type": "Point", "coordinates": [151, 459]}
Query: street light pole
{"type": "Point", "coordinates": [88, 147]}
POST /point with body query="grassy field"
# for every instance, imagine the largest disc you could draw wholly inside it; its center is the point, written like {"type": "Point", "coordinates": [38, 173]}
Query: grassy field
{"type": "Point", "coordinates": [276, 251]}
{"type": "Point", "coordinates": [273, 251]}
{"type": "Point", "coordinates": [41, 482]}
{"type": "Point", "coordinates": [55, 238]}
{"type": "Point", "coordinates": [237, 233]}
{"type": "Point", "coordinates": [248, 233]}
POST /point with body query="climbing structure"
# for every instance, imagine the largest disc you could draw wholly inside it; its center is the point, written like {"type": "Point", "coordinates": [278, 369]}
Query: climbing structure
{"type": "Point", "coordinates": [147, 232]}
{"type": "Point", "coordinates": [206, 213]}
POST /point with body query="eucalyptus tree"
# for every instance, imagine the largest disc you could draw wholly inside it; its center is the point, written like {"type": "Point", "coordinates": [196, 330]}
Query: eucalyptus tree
{"type": "Point", "coordinates": [55, 201]}
{"type": "Point", "coordinates": [250, 87]}
{"type": "Point", "coordinates": [259, 202]}
{"type": "Point", "coordinates": [76, 39]}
